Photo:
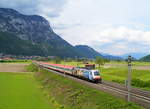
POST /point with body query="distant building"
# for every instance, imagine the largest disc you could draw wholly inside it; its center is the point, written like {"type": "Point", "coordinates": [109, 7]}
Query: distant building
{"type": "Point", "coordinates": [7, 58]}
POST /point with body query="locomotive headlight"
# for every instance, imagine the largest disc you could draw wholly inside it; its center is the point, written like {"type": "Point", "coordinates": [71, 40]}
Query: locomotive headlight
{"type": "Point", "coordinates": [97, 77]}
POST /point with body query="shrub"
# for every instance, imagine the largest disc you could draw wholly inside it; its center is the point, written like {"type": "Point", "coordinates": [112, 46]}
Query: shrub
{"type": "Point", "coordinates": [140, 83]}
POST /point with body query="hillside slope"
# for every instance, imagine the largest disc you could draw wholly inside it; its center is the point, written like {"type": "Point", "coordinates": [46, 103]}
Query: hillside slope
{"type": "Point", "coordinates": [34, 32]}
{"type": "Point", "coordinates": [146, 58]}
{"type": "Point", "coordinates": [87, 51]}
{"type": "Point", "coordinates": [11, 44]}
{"type": "Point", "coordinates": [135, 55]}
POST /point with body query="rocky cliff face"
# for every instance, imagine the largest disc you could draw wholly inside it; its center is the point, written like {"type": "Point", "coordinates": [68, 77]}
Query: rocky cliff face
{"type": "Point", "coordinates": [25, 27]}
{"type": "Point", "coordinates": [28, 27]}
{"type": "Point", "coordinates": [36, 30]}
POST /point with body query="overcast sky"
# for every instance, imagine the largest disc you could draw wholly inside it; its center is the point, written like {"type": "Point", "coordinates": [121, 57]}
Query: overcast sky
{"type": "Point", "coordinates": [111, 26]}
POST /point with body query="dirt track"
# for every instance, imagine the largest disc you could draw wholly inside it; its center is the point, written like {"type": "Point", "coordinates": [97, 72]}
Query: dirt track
{"type": "Point", "coordinates": [13, 67]}
{"type": "Point", "coordinates": [142, 67]}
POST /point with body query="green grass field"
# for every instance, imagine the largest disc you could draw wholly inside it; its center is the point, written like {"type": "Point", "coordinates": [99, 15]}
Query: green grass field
{"type": "Point", "coordinates": [21, 91]}
{"type": "Point", "coordinates": [140, 78]}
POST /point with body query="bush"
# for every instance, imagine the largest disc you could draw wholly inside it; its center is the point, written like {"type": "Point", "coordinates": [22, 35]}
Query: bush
{"type": "Point", "coordinates": [32, 68]}
{"type": "Point", "coordinates": [140, 83]}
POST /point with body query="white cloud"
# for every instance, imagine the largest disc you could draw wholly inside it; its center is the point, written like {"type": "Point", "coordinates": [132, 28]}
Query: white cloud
{"type": "Point", "coordinates": [50, 8]}
{"type": "Point", "coordinates": [114, 40]}
{"type": "Point", "coordinates": [112, 26]}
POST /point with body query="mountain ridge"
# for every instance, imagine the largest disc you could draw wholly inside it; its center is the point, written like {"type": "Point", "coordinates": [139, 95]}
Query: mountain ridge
{"type": "Point", "coordinates": [135, 55]}
{"type": "Point", "coordinates": [36, 30]}
{"type": "Point", "coordinates": [145, 58]}
{"type": "Point", "coordinates": [87, 51]}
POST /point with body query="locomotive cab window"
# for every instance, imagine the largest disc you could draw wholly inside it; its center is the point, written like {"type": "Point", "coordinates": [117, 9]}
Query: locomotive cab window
{"type": "Point", "coordinates": [96, 73]}
{"type": "Point", "coordinates": [90, 73]}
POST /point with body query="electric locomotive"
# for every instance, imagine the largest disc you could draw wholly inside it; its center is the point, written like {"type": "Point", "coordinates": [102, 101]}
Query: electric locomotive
{"type": "Point", "coordinates": [91, 75]}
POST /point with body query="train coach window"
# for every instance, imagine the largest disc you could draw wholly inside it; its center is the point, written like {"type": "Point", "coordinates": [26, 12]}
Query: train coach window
{"type": "Point", "coordinates": [96, 73]}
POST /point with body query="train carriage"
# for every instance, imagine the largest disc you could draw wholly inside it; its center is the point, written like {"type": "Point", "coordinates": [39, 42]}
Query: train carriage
{"type": "Point", "coordinates": [92, 75]}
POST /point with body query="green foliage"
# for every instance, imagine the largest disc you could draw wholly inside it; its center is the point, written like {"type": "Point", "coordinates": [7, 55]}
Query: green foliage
{"type": "Point", "coordinates": [140, 83]}
{"type": "Point", "coordinates": [31, 68]}
{"type": "Point", "coordinates": [57, 60]}
{"type": "Point", "coordinates": [100, 61]}
{"type": "Point", "coordinates": [73, 95]}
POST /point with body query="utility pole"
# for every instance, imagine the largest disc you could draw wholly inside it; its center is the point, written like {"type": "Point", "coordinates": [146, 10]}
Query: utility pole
{"type": "Point", "coordinates": [129, 78]}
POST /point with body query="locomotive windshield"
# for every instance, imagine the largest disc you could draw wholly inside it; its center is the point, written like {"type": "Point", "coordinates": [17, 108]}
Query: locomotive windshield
{"type": "Point", "coordinates": [96, 73]}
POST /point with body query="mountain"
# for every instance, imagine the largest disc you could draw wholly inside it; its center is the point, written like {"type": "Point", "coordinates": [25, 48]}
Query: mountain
{"type": "Point", "coordinates": [30, 35]}
{"type": "Point", "coordinates": [145, 58]}
{"type": "Point", "coordinates": [111, 57]}
{"type": "Point", "coordinates": [87, 51]}
{"type": "Point", "coordinates": [135, 55]}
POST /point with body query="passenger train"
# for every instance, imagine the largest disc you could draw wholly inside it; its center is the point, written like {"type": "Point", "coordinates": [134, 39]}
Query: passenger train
{"type": "Point", "coordinates": [91, 75]}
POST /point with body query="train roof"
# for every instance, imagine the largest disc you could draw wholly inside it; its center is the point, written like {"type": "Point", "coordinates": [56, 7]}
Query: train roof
{"type": "Point", "coordinates": [60, 65]}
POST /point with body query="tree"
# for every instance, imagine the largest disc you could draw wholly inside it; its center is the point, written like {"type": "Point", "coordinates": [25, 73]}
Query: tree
{"type": "Point", "coordinates": [57, 60]}
{"type": "Point", "coordinates": [100, 61]}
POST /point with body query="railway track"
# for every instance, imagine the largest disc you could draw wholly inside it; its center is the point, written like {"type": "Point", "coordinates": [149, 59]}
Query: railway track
{"type": "Point", "coordinates": [138, 96]}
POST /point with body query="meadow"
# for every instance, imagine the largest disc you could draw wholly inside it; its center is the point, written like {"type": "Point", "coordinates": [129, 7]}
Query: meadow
{"type": "Point", "coordinates": [21, 91]}
{"type": "Point", "coordinates": [140, 78]}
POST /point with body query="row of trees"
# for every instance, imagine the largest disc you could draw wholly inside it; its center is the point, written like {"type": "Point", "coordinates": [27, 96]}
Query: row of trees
{"type": "Point", "coordinates": [100, 61]}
